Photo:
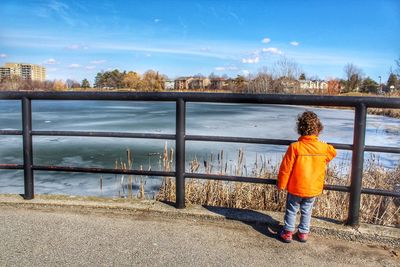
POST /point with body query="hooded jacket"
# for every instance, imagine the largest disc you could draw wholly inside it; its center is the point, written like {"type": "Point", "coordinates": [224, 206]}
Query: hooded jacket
{"type": "Point", "coordinates": [302, 171]}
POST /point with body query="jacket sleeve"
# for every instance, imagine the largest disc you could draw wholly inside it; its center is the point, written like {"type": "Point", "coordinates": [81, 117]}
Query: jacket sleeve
{"type": "Point", "coordinates": [331, 153]}
{"type": "Point", "coordinates": [286, 167]}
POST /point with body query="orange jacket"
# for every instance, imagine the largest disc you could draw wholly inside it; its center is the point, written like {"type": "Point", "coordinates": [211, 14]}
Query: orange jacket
{"type": "Point", "coordinates": [302, 170]}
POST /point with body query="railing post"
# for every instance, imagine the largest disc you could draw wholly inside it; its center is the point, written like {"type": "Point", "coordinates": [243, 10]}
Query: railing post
{"type": "Point", "coordinates": [27, 143]}
{"type": "Point", "coordinates": [357, 164]}
{"type": "Point", "coordinates": [180, 153]}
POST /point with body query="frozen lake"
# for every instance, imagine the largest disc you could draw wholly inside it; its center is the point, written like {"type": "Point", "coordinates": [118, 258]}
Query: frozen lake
{"type": "Point", "coordinates": [261, 121]}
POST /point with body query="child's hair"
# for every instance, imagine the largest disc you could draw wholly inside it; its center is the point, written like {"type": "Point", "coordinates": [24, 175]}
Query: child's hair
{"type": "Point", "coordinates": [308, 123]}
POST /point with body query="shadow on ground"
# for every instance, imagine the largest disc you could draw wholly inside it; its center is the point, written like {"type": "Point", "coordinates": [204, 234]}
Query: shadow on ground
{"type": "Point", "coordinates": [261, 222]}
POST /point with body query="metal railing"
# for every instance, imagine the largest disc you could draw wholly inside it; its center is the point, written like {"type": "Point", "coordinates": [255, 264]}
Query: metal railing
{"type": "Point", "coordinates": [358, 147]}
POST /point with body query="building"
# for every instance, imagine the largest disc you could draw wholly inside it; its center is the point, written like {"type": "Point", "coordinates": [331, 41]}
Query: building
{"type": "Point", "coordinates": [217, 83]}
{"type": "Point", "coordinates": [199, 83]}
{"type": "Point", "coordinates": [288, 85]}
{"type": "Point", "coordinates": [313, 86]}
{"type": "Point", "coordinates": [4, 72]}
{"type": "Point", "coordinates": [193, 83]}
{"type": "Point", "coordinates": [169, 85]}
{"type": "Point", "coordinates": [25, 71]}
{"type": "Point", "coordinates": [182, 83]}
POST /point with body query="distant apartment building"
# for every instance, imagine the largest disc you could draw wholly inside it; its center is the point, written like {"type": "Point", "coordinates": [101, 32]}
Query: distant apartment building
{"type": "Point", "coordinates": [169, 85]}
{"type": "Point", "coordinates": [289, 85]}
{"type": "Point", "coordinates": [217, 83]}
{"type": "Point", "coordinates": [199, 83]}
{"type": "Point", "coordinates": [194, 83]}
{"type": "Point", "coordinates": [182, 83]}
{"type": "Point", "coordinates": [25, 71]}
{"type": "Point", "coordinates": [313, 86]}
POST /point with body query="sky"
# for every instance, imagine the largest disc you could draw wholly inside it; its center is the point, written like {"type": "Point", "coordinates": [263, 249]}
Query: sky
{"type": "Point", "coordinates": [78, 39]}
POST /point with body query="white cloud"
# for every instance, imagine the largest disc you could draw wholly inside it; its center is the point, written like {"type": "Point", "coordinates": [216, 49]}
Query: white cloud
{"type": "Point", "coordinates": [98, 62]}
{"type": "Point", "coordinates": [73, 47]}
{"type": "Point", "coordinates": [77, 47]}
{"type": "Point", "coordinates": [294, 43]}
{"type": "Point", "coordinates": [3, 55]}
{"type": "Point", "coordinates": [90, 67]}
{"type": "Point", "coordinates": [272, 50]}
{"type": "Point", "coordinates": [51, 61]}
{"type": "Point", "coordinates": [223, 53]}
{"type": "Point", "coordinates": [226, 68]}
{"type": "Point", "coordinates": [74, 66]}
{"type": "Point", "coordinates": [157, 20]}
{"type": "Point", "coordinates": [245, 72]}
{"type": "Point", "coordinates": [266, 40]}
{"type": "Point", "coordinates": [251, 60]}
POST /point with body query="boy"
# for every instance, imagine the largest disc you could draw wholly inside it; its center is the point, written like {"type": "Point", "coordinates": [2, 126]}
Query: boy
{"type": "Point", "coordinates": [302, 174]}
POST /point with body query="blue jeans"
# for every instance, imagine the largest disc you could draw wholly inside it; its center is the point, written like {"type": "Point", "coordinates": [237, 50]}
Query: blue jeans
{"type": "Point", "coordinates": [293, 203]}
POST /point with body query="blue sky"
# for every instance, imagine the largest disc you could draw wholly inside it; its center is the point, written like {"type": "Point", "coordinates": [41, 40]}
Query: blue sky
{"type": "Point", "coordinates": [77, 39]}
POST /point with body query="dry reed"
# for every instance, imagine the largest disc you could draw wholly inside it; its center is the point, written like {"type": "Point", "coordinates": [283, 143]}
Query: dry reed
{"type": "Point", "coordinates": [331, 204]}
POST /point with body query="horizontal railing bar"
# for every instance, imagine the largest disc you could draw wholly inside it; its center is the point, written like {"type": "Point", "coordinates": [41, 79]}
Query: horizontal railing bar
{"type": "Point", "coordinates": [383, 149]}
{"type": "Point", "coordinates": [10, 132]}
{"type": "Point", "coordinates": [104, 134]}
{"type": "Point", "coordinates": [340, 188]}
{"type": "Point", "coordinates": [100, 170]}
{"type": "Point", "coordinates": [229, 178]}
{"type": "Point", "coordinates": [192, 138]}
{"type": "Point", "coordinates": [278, 99]}
{"type": "Point", "coordinates": [380, 192]}
{"type": "Point", "coordinates": [247, 140]}
{"type": "Point", "coordinates": [245, 179]}
{"type": "Point", "coordinates": [11, 167]}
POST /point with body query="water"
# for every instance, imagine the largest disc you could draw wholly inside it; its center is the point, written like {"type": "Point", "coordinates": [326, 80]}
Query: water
{"type": "Point", "coordinates": [261, 121]}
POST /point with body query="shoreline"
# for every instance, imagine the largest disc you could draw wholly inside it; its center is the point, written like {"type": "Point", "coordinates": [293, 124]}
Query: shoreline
{"type": "Point", "coordinates": [391, 113]}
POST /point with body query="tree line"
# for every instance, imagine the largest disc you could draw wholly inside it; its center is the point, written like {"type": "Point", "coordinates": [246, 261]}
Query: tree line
{"type": "Point", "coordinates": [283, 76]}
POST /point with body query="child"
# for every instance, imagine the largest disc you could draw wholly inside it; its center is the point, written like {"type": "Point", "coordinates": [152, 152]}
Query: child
{"type": "Point", "coordinates": [302, 174]}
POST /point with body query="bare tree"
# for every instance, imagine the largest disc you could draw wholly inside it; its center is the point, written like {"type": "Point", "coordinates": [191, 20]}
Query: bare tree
{"type": "Point", "coordinates": [286, 68]}
{"type": "Point", "coordinates": [262, 82]}
{"type": "Point", "coordinates": [285, 72]}
{"type": "Point", "coordinates": [353, 75]}
{"type": "Point", "coordinates": [13, 82]}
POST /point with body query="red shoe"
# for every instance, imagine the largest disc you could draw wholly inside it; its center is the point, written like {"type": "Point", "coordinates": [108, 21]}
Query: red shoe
{"type": "Point", "coordinates": [286, 236]}
{"type": "Point", "coordinates": [302, 237]}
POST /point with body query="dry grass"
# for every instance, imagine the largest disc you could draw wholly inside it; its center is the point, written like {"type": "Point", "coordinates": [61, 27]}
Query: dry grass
{"type": "Point", "coordinates": [331, 204]}
{"type": "Point", "coordinates": [334, 205]}
{"type": "Point", "coordinates": [394, 113]}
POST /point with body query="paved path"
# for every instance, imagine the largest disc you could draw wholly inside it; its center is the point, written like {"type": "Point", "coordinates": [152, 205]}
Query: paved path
{"type": "Point", "coordinates": [65, 238]}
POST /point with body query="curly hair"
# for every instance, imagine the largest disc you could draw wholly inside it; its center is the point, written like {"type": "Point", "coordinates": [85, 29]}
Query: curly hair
{"type": "Point", "coordinates": [308, 123]}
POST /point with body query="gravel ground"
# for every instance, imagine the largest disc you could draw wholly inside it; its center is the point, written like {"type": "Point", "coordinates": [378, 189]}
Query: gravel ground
{"type": "Point", "coordinates": [63, 238]}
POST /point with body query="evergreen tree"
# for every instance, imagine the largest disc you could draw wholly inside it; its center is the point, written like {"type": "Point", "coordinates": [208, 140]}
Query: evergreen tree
{"type": "Point", "coordinates": [109, 79]}
{"type": "Point", "coordinates": [98, 80]}
{"type": "Point", "coordinates": [369, 86]}
{"type": "Point", "coordinates": [392, 80]}
{"type": "Point", "coordinates": [85, 83]}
